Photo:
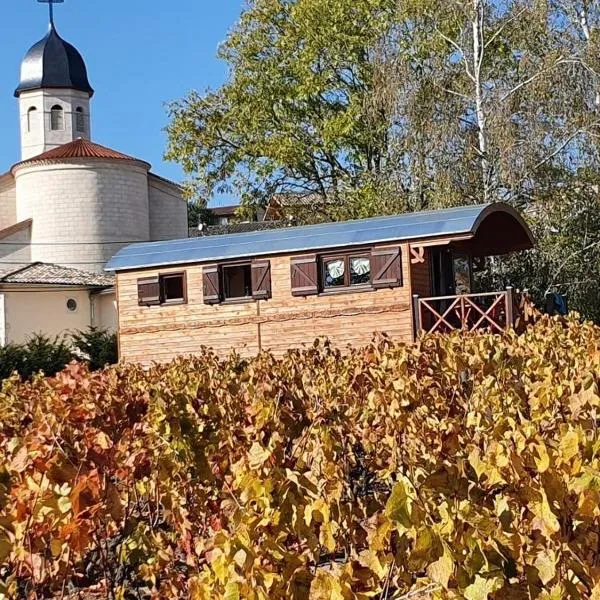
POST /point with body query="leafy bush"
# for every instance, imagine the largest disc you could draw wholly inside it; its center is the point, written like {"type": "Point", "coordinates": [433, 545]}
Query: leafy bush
{"type": "Point", "coordinates": [98, 347]}
{"type": "Point", "coordinates": [466, 465]}
{"type": "Point", "coordinates": [39, 353]}
{"type": "Point", "coordinates": [12, 358]}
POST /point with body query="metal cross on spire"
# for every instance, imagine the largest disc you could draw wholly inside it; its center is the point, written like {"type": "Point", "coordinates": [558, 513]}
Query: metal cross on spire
{"type": "Point", "coordinates": [51, 4]}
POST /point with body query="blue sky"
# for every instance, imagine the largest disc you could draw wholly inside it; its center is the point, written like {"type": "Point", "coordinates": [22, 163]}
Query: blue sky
{"type": "Point", "coordinates": [139, 53]}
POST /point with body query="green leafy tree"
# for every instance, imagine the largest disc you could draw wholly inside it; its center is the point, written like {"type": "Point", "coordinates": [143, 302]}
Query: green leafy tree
{"type": "Point", "coordinates": [292, 118]}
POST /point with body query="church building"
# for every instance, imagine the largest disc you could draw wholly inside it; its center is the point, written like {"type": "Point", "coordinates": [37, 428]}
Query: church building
{"type": "Point", "coordinates": [70, 204]}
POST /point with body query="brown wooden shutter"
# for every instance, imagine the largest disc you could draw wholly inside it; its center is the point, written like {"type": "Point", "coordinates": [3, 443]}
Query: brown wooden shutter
{"type": "Point", "coordinates": [148, 291]}
{"type": "Point", "coordinates": [261, 279]}
{"type": "Point", "coordinates": [305, 275]}
{"type": "Point", "coordinates": [386, 267]}
{"type": "Point", "coordinates": [212, 284]}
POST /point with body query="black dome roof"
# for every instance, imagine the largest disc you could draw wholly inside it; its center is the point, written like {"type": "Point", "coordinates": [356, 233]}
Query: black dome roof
{"type": "Point", "coordinates": [53, 63]}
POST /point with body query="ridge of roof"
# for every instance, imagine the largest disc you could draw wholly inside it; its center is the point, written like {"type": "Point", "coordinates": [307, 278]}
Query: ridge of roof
{"type": "Point", "coordinates": [79, 148]}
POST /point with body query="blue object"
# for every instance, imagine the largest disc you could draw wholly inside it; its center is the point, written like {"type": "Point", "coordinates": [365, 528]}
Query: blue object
{"type": "Point", "coordinates": [309, 238]}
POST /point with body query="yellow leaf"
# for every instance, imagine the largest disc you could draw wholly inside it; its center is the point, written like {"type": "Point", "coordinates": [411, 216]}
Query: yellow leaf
{"type": "Point", "coordinates": [398, 507]}
{"type": "Point", "coordinates": [232, 591]}
{"type": "Point", "coordinates": [257, 456]}
{"type": "Point", "coordinates": [64, 504]}
{"type": "Point", "coordinates": [326, 537]}
{"type": "Point", "coordinates": [441, 570]}
{"type": "Point", "coordinates": [542, 461]}
{"type": "Point", "coordinates": [569, 446]}
{"type": "Point", "coordinates": [325, 587]}
{"type": "Point", "coordinates": [370, 559]}
{"type": "Point", "coordinates": [482, 588]}
{"type": "Point", "coordinates": [56, 546]}
{"type": "Point", "coordinates": [545, 520]}
{"type": "Point", "coordinates": [240, 558]}
{"type": "Point", "coordinates": [545, 563]}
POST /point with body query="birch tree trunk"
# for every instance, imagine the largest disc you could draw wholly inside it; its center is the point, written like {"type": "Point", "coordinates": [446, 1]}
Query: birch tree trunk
{"type": "Point", "coordinates": [478, 55]}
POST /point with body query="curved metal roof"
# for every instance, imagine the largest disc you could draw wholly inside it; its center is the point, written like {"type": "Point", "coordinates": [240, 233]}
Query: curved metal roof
{"type": "Point", "coordinates": [53, 63]}
{"type": "Point", "coordinates": [464, 220]}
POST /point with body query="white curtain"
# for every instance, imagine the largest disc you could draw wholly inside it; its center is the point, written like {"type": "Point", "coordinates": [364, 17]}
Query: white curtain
{"type": "Point", "coordinates": [335, 269]}
{"type": "Point", "coordinates": [361, 266]}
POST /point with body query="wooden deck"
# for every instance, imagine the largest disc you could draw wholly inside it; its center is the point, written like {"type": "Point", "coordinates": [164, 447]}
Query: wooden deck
{"type": "Point", "coordinates": [464, 312]}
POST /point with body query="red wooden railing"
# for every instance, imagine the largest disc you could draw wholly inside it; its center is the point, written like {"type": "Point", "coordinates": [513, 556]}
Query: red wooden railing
{"type": "Point", "coordinates": [465, 312]}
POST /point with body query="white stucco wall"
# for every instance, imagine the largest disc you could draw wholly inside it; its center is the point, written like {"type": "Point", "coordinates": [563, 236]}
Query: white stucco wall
{"type": "Point", "coordinates": [8, 201]}
{"type": "Point", "coordinates": [30, 311]}
{"type": "Point", "coordinates": [168, 210]}
{"type": "Point", "coordinates": [36, 134]}
{"type": "Point", "coordinates": [105, 310]}
{"type": "Point", "coordinates": [83, 211]}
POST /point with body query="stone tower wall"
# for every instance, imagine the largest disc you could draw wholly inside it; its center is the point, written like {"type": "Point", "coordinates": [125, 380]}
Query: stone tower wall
{"type": "Point", "coordinates": [83, 211]}
{"type": "Point", "coordinates": [168, 210]}
{"type": "Point", "coordinates": [37, 135]}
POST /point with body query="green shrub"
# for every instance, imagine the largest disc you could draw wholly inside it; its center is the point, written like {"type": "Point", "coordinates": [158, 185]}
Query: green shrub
{"type": "Point", "coordinates": [45, 354]}
{"type": "Point", "coordinates": [12, 358]}
{"type": "Point", "coordinates": [97, 347]}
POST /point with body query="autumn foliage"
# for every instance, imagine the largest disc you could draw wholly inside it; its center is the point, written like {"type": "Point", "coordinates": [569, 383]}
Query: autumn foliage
{"type": "Point", "coordinates": [468, 466]}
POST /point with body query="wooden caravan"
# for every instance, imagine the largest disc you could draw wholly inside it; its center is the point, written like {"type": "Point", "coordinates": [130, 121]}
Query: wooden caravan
{"type": "Point", "coordinates": [278, 289]}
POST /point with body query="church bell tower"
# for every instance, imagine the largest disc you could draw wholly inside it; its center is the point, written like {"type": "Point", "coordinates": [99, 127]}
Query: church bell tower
{"type": "Point", "coordinates": [54, 94]}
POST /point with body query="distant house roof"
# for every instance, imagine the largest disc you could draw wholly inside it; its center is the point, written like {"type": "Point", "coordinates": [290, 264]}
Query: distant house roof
{"type": "Point", "coordinates": [421, 225]}
{"type": "Point", "coordinates": [49, 274]}
{"type": "Point", "coordinates": [79, 148]}
{"type": "Point", "coordinates": [231, 228]}
{"type": "Point", "coordinates": [224, 211]}
{"type": "Point", "coordinates": [281, 205]}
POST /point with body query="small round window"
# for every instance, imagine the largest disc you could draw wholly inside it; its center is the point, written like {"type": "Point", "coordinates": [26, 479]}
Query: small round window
{"type": "Point", "coordinates": [72, 304]}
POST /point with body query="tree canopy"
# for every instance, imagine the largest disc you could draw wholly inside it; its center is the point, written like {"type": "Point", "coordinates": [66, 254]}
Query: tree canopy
{"type": "Point", "coordinates": [379, 106]}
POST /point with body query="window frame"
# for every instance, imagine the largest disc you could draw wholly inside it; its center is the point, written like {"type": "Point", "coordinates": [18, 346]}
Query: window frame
{"type": "Point", "coordinates": [169, 302]}
{"type": "Point", "coordinates": [236, 299]}
{"type": "Point", "coordinates": [345, 256]}
{"type": "Point", "coordinates": [158, 280]}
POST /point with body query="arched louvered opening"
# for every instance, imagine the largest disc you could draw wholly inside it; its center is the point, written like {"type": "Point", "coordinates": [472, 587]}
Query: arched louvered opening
{"type": "Point", "coordinates": [79, 120]}
{"type": "Point", "coordinates": [57, 118]}
{"type": "Point", "coordinates": [31, 113]}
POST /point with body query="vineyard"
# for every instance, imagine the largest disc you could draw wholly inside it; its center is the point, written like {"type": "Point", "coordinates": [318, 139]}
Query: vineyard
{"type": "Point", "coordinates": [460, 467]}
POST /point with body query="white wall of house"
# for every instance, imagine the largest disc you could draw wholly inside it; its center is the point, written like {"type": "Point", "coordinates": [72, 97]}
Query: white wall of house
{"type": "Point", "coordinates": [104, 307]}
{"type": "Point", "coordinates": [29, 310]}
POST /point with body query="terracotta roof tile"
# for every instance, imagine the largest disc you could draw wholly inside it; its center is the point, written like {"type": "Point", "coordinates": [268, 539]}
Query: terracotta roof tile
{"type": "Point", "coordinates": [79, 148]}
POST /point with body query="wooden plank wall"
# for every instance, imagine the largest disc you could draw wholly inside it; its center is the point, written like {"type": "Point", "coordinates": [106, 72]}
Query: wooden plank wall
{"type": "Point", "coordinates": [420, 277]}
{"type": "Point", "coordinates": [159, 333]}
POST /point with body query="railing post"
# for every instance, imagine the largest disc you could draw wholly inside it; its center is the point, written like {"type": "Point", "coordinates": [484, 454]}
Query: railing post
{"type": "Point", "coordinates": [510, 318]}
{"type": "Point", "coordinates": [416, 315]}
